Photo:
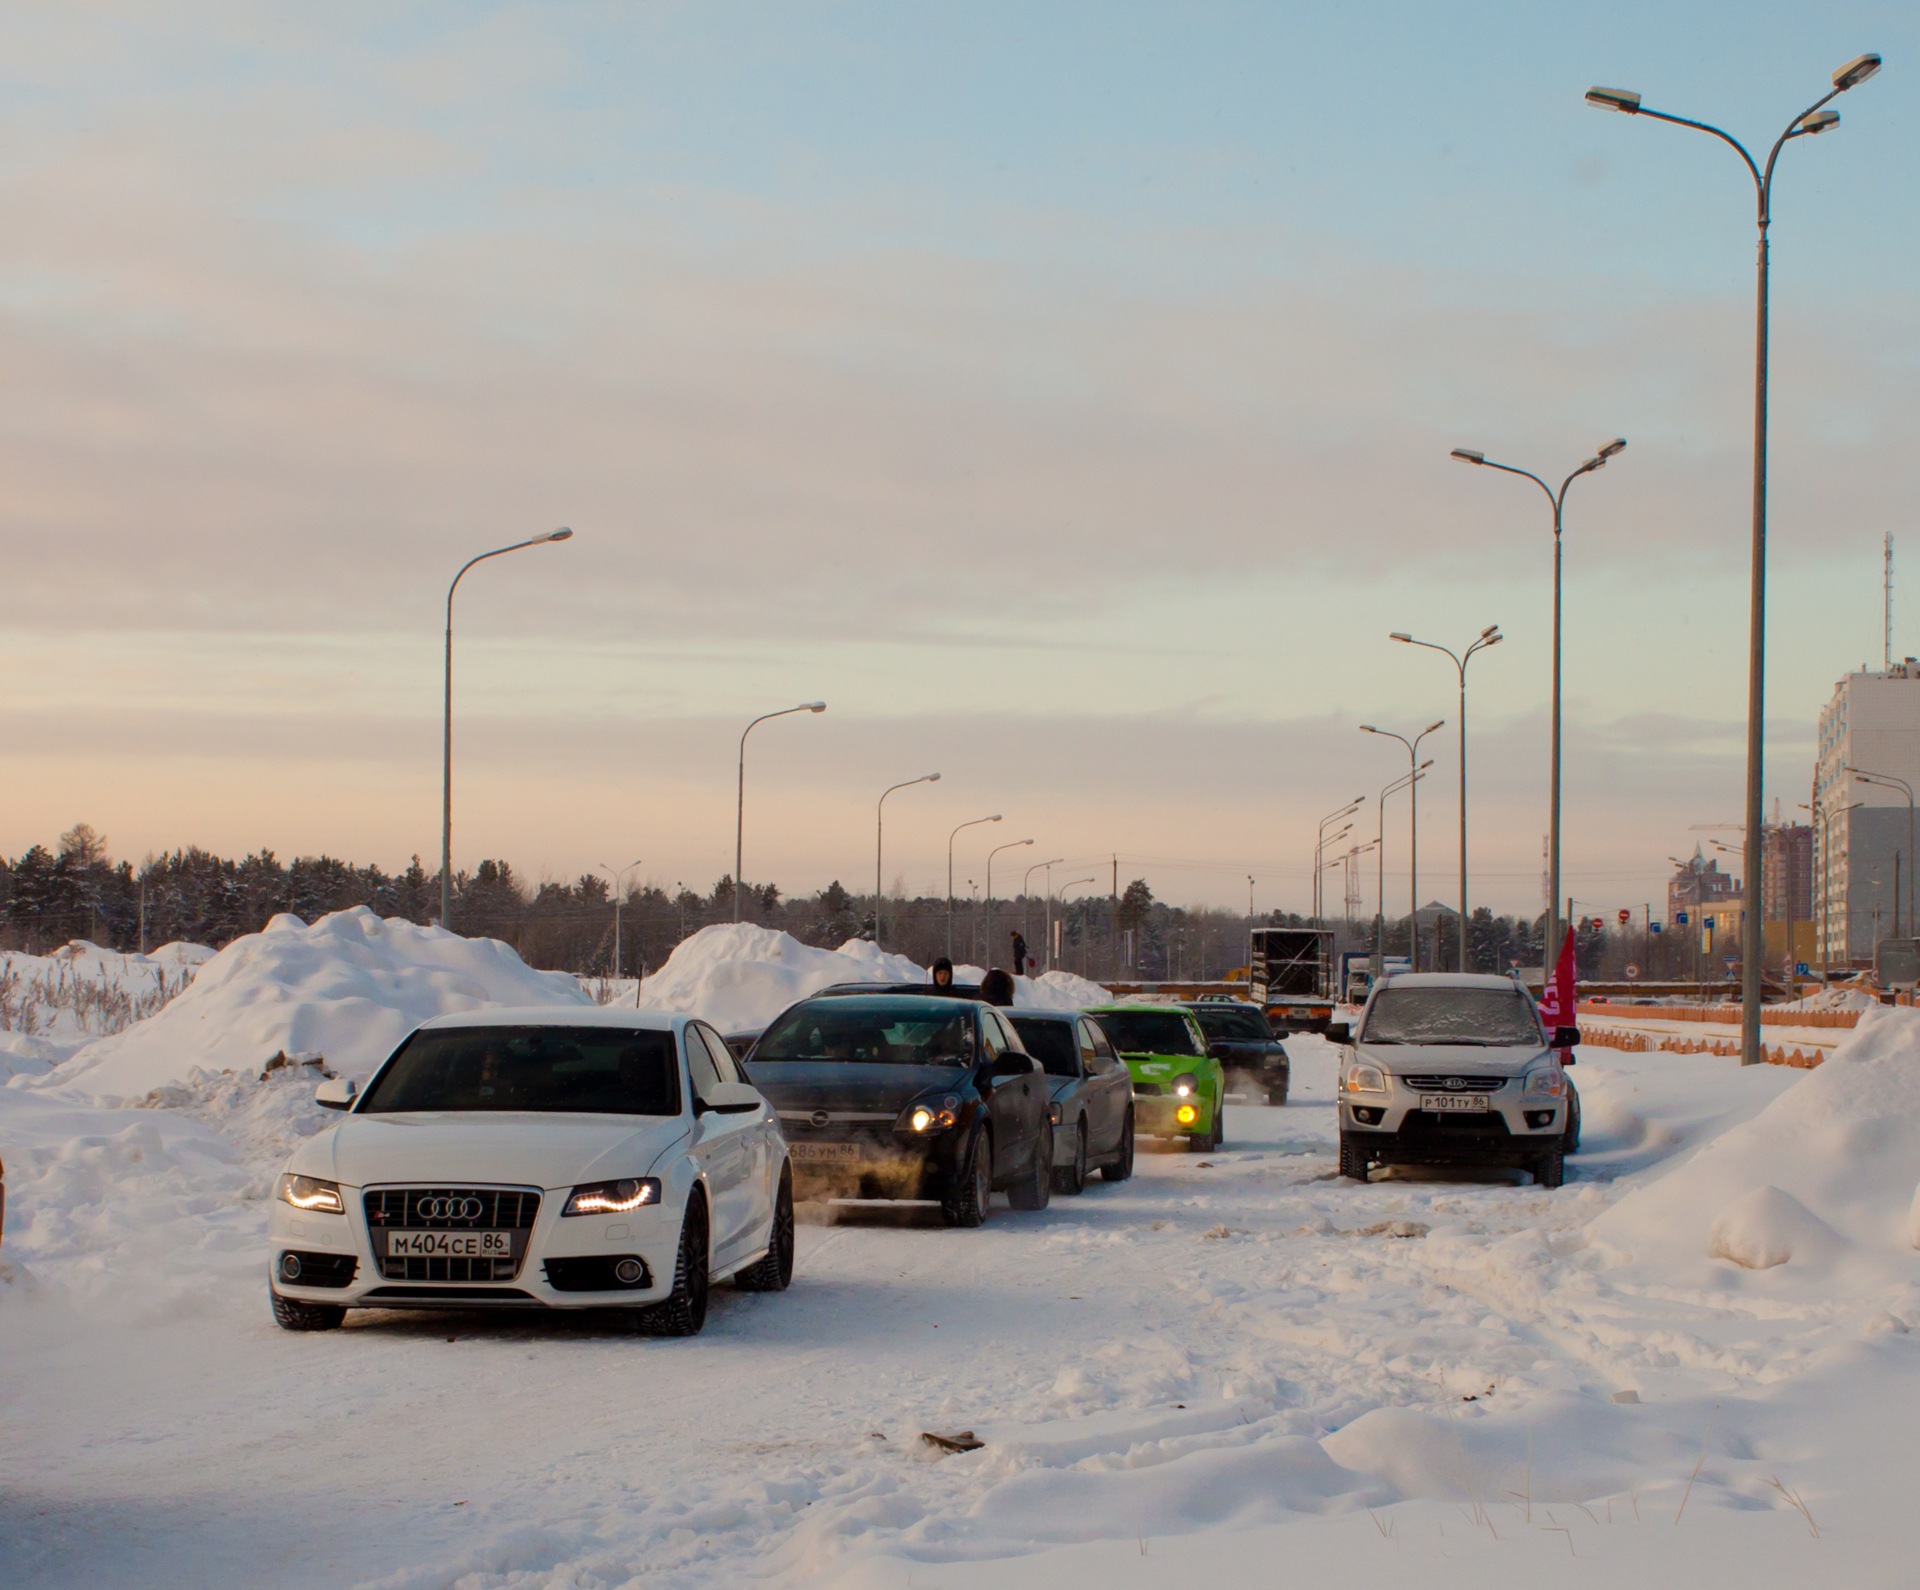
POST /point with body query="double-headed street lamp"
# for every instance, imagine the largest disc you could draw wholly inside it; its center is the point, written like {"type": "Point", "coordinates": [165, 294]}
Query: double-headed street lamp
{"type": "Point", "coordinates": [1559, 501]}
{"type": "Point", "coordinates": [879, 833]}
{"type": "Point", "coordinates": [975, 823]}
{"type": "Point", "coordinates": [1321, 841]}
{"type": "Point", "coordinates": [1012, 844]}
{"type": "Point", "coordinates": [1406, 781]}
{"type": "Point", "coordinates": [446, 744]}
{"type": "Point", "coordinates": [740, 808]}
{"type": "Point", "coordinates": [1490, 636]}
{"type": "Point", "coordinates": [619, 896]}
{"type": "Point", "coordinates": [1413, 836]}
{"type": "Point", "coordinates": [1815, 119]}
{"type": "Point", "coordinates": [1888, 781]}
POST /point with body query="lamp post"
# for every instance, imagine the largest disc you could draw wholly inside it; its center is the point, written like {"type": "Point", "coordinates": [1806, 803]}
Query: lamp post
{"type": "Point", "coordinates": [619, 895]}
{"type": "Point", "coordinates": [1413, 836]}
{"type": "Point", "coordinates": [1405, 781]}
{"type": "Point", "coordinates": [1012, 844]}
{"type": "Point", "coordinates": [1490, 636]}
{"type": "Point", "coordinates": [1063, 900]}
{"type": "Point", "coordinates": [975, 823]}
{"type": "Point", "coordinates": [1888, 781]}
{"type": "Point", "coordinates": [1324, 864]}
{"type": "Point", "coordinates": [446, 744]}
{"type": "Point", "coordinates": [879, 832]}
{"type": "Point", "coordinates": [740, 807]}
{"type": "Point", "coordinates": [1249, 931]}
{"type": "Point", "coordinates": [1814, 119]}
{"type": "Point", "coordinates": [1026, 896]}
{"type": "Point", "coordinates": [1558, 500]}
{"type": "Point", "coordinates": [1321, 843]}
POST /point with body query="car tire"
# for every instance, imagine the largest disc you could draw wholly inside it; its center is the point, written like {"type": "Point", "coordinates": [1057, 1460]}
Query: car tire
{"type": "Point", "coordinates": [291, 1315]}
{"type": "Point", "coordinates": [1071, 1180]}
{"type": "Point", "coordinates": [774, 1273]}
{"type": "Point", "coordinates": [1573, 1122]}
{"type": "Point", "coordinates": [684, 1310]}
{"type": "Point", "coordinates": [1550, 1169]}
{"type": "Point", "coordinates": [968, 1199]}
{"type": "Point", "coordinates": [1035, 1189]}
{"type": "Point", "coordinates": [1354, 1163]}
{"type": "Point", "coordinates": [1277, 1097]}
{"type": "Point", "coordinates": [1215, 1134]}
{"type": "Point", "coordinates": [1122, 1166]}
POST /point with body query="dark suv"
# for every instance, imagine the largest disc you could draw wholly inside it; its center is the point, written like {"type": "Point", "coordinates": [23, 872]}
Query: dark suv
{"type": "Point", "coordinates": [1239, 1037]}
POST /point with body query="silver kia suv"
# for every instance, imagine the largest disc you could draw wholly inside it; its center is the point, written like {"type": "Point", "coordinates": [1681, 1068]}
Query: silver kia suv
{"type": "Point", "coordinates": [1449, 1068]}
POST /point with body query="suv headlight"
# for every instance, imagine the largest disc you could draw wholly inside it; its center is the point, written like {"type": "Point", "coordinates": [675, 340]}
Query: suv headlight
{"type": "Point", "coordinates": [929, 1115]}
{"type": "Point", "coordinates": [1186, 1085]}
{"type": "Point", "coordinates": [310, 1195]}
{"type": "Point", "coordinates": [613, 1197]}
{"type": "Point", "coordinates": [1545, 1082]}
{"type": "Point", "coordinates": [1365, 1079]}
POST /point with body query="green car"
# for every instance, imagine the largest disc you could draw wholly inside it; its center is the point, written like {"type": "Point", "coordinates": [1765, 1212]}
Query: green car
{"type": "Point", "coordinates": [1179, 1090]}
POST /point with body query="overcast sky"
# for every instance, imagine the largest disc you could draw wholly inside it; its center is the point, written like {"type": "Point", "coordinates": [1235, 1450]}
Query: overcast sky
{"type": "Point", "coordinates": [1063, 392]}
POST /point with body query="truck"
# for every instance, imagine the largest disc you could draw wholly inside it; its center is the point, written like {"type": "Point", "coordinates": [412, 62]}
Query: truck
{"type": "Point", "coordinates": [1290, 977]}
{"type": "Point", "coordinates": [1356, 973]}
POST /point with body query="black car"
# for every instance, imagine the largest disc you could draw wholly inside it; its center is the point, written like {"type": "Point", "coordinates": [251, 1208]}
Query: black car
{"type": "Point", "coordinates": [1092, 1096]}
{"type": "Point", "coordinates": [1239, 1037]}
{"type": "Point", "coordinates": [908, 1096]}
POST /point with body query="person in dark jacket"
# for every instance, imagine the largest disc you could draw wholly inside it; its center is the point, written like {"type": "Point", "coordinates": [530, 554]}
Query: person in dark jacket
{"type": "Point", "coordinates": [1019, 953]}
{"type": "Point", "coordinates": [943, 973]}
{"type": "Point", "coordinates": [996, 988]}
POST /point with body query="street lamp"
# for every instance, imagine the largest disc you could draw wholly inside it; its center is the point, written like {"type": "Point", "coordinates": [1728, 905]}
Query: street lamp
{"type": "Point", "coordinates": [975, 823]}
{"type": "Point", "coordinates": [1324, 864]}
{"type": "Point", "coordinates": [1413, 837]}
{"type": "Point", "coordinates": [1888, 781]}
{"type": "Point", "coordinates": [619, 894]}
{"type": "Point", "coordinates": [1063, 900]}
{"type": "Point", "coordinates": [1322, 841]}
{"type": "Point", "coordinates": [1558, 499]}
{"type": "Point", "coordinates": [446, 744]}
{"type": "Point", "coordinates": [1815, 119]}
{"type": "Point", "coordinates": [1012, 844]}
{"type": "Point", "coordinates": [1405, 781]}
{"type": "Point", "coordinates": [740, 808]}
{"type": "Point", "coordinates": [1026, 896]}
{"type": "Point", "coordinates": [879, 818]}
{"type": "Point", "coordinates": [1490, 636]}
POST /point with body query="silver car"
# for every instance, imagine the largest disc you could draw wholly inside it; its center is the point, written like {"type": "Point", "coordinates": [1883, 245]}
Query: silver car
{"type": "Point", "coordinates": [1449, 1068]}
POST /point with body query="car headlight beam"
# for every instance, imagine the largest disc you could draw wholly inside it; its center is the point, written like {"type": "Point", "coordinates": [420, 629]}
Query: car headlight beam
{"type": "Point", "coordinates": [613, 1197]}
{"type": "Point", "coordinates": [1186, 1085]}
{"type": "Point", "coordinates": [310, 1195]}
{"type": "Point", "coordinates": [1364, 1079]}
{"type": "Point", "coordinates": [930, 1115]}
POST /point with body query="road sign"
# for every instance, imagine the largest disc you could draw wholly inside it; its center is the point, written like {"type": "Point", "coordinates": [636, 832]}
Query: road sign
{"type": "Point", "coordinates": [1632, 970]}
{"type": "Point", "coordinates": [1653, 927]}
{"type": "Point", "coordinates": [1680, 917]}
{"type": "Point", "coordinates": [1626, 916]}
{"type": "Point", "coordinates": [1801, 969]}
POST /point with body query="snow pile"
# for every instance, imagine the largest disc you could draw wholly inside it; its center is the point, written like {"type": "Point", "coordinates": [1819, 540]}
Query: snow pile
{"type": "Point", "coordinates": [739, 976]}
{"type": "Point", "coordinates": [1843, 998]}
{"type": "Point", "coordinates": [1829, 1166]}
{"type": "Point", "coordinates": [52, 1004]}
{"type": "Point", "coordinates": [346, 990]}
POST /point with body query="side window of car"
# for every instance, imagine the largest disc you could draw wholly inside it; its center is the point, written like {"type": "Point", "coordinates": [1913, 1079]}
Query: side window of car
{"type": "Point", "coordinates": [992, 1037]}
{"type": "Point", "coordinates": [1089, 1049]}
{"type": "Point", "coordinates": [700, 1067]}
{"type": "Point", "coordinates": [723, 1061]}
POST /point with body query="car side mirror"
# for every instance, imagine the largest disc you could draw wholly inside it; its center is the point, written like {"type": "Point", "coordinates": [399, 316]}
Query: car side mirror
{"type": "Point", "coordinates": [1011, 1063]}
{"type": "Point", "coordinates": [1565, 1037]}
{"type": "Point", "coordinates": [729, 1098]}
{"type": "Point", "coordinates": [1340, 1032]}
{"type": "Point", "coordinates": [336, 1093]}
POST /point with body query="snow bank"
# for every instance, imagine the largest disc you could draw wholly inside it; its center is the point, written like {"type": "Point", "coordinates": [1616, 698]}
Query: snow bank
{"type": "Point", "coordinates": [345, 989]}
{"type": "Point", "coordinates": [1829, 1165]}
{"type": "Point", "coordinates": [739, 976]}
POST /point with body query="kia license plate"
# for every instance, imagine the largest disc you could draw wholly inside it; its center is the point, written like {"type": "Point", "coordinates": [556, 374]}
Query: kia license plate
{"type": "Point", "coordinates": [449, 1245]}
{"type": "Point", "coordinates": [824, 1153]}
{"type": "Point", "coordinates": [1464, 1103]}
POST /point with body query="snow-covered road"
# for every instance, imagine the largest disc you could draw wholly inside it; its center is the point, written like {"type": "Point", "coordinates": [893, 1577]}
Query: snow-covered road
{"type": "Point", "coordinates": [1231, 1360]}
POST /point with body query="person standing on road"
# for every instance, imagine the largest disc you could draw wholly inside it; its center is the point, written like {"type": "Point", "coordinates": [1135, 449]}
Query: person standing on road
{"type": "Point", "coordinates": [1019, 953]}
{"type": "Point", "coordinates": [996, 988]}
{"type": "Point", "coordinates": [943, 973]}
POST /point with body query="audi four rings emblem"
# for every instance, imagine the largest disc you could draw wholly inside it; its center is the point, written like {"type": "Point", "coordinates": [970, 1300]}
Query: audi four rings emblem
{"type": "Point", "coordinates": [449, 1209]}
{"type": "Point", "coordinates": [819, 1118]}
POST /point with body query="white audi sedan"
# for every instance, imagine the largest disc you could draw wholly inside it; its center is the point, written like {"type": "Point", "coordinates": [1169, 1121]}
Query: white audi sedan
{"type": "Point", "coordinates": [565, 1159]}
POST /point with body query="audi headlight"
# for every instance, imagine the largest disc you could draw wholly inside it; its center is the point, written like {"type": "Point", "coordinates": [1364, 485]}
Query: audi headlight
{"type": "Point", "coordinates": [613, 1197]}
{"type": "Point", "coordinates": [310, 1195]}
{"type": "Point", "coordinates": [1186, 1085]}
{"type": "Point", "coordinates": [1365, 1079]}
{"type": "Point", "coordinates": [930, 1115]}
{"type": "Point", "coordinates": [1545, 1082]}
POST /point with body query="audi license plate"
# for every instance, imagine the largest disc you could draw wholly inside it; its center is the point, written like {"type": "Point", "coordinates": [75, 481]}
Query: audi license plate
{"type": "Point", "coordinates": [824, 1153]}
{"type": "Point", "coordinates": [449, 1245]}
{"type": "Point", "coordinates": [1471, 1103]}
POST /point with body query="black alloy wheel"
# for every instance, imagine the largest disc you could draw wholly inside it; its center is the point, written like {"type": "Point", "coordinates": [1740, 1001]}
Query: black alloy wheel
{"type": "Point", "coordinates": [1071, 1180]}
{"type": "Point", "coordinates": [971, 1193]}
{"type": "Point", "coordinates": [1035, 1189]}
{"type": "Point", "coordinates": [774, 1272]}
{"type": "Point", "coordinates": [291, 1315]}
{"type": "Point", "coordinates": [1122, 1166]}
{"type": "Point", "coordinates": [684, 1310]}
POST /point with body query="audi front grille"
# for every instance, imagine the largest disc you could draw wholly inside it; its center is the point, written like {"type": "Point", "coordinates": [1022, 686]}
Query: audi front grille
{"type": "Point", "coordinates": [508, 1209]}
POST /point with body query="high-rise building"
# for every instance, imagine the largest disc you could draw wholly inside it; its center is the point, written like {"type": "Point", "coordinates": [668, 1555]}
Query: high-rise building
{"type": "Point", "coordinates": [1863, 843]}
{"type": "Point", "coordinates": [1786, 872]}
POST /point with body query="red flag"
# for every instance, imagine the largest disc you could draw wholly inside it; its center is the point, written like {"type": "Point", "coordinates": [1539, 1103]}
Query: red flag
{"type": "Point", "coordinates": [1557, 1002]}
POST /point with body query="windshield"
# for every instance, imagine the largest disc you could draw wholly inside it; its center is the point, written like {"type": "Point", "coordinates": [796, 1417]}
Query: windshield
{"type": "Point", "coordinates": [1148, 1032]}
{"type": "Point", "coordinates": [901, 1032]}
{"type": "Point", "coordinates": [1481, 1016]}
{"type": "Point", "coordinates": [1236, 1024]}
{"type": "Point", "coordinates": [1053, 1043]}
{"type": "Point", "coordinates": [565, 1070]}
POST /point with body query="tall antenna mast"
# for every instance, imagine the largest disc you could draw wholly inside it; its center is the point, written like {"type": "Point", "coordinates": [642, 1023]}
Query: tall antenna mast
{"type": "Point", "coordinates": [1886, 644]}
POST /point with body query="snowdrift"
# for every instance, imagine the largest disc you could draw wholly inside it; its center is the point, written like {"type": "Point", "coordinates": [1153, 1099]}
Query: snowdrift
{"type": "Point", "coordinates": [739, 976]}
{"type": "Point", "coordinates": [346, 990]}
{"type": "Point", "coordinates": [1827, 1169]}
